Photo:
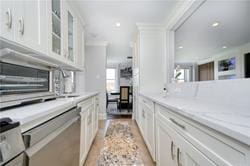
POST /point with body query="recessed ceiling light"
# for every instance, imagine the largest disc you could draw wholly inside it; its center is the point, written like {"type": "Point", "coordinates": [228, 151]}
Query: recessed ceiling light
{"type": "Point", "coordinates": [180, 47]}
{"type": "Point", "coordinates": [224, 47]}
{"type": "Point", "coordinates": [118, 24]}
{"type": "Point", "coordinates": [215, 24]}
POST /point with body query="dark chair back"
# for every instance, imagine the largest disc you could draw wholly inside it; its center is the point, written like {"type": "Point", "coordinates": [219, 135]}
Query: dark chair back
{"type": "Point", "coordinates": [124, 94]}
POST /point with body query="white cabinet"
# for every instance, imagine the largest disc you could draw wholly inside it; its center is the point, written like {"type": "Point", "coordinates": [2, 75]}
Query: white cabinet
{"type": "Point", "coordinates": [69, 33]}
{"type": "Point", "coordinates": [47, 29]}
{"type": "Point", "coordinates": [31, 24]}
{"type": "Point", "coordinates": [55, 28]}
{"type": "Point", "coordinates": [95, 115]}
{"type": "Point", "coordinates": [188, 155]}
{"type": "Point", "coordinates": [89, 125]}
{"type": "Point", "coordinates": [6, 20]}
{"type": "Point", "coordinates": [80, 48]}
{"type": "Point", "coordinates": [147, 124]}
{"type": "Point", "coordinates": [150, 57]}
{"type": "Point", "coordinates": [173, 149]}
{"type": "Point", "coordinates": [165, 147]}
{"type": "Point", "coordinates": [195, 144]}
{"type": "Point", "coordinates": [25, 22]}
{"type": "Point", "coordinates": [83, 140]}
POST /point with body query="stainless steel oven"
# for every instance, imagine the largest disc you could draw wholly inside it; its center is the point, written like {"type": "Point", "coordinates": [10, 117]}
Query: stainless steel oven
{"type": "Point", "coordinates": [20, 84]}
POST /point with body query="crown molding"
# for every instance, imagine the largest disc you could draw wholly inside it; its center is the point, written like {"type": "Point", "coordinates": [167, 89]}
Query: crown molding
{"type": "Point", "coordinates": [182, 11]}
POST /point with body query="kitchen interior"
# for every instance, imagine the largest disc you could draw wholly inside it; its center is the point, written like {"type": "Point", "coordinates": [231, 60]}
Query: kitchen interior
{"type": "Point", "coordinates": [144, 83]}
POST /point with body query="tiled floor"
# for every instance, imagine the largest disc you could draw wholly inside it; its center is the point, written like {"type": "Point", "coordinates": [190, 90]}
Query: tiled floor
{"type": "Point", "coordinates": [97, 145]}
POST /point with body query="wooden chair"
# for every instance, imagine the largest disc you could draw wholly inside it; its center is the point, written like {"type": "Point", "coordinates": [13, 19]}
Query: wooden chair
{"type": "Point", "coordinates": [124, 97]}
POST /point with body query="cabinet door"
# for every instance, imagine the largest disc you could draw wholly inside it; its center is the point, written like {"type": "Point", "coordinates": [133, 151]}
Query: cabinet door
{"type": "Point", "coordinates": [80, 53]}
{"type": "Point", "coordinates": [6, 19]}
{"type": "Point", "coordinates": [96, 114]}
{"type": "Point", "coordinates": [150, 135]}
{"type": "Point", "coordinates": [143, 122]}
{"type": "Point", "coordinates": [55, 13]}
{"type": "Point", "coordinates": [89, 127]}
{"type": "Point", "coordinates": [69, 33]}
{"type": "Point", "coordinates": [188, 155]}
{"type": "Point", "coordinates": [83, 140]}
{"type": "Point", "coordinates": [31, 24]}
{"type": "Point", "coordinates": [165, 146]}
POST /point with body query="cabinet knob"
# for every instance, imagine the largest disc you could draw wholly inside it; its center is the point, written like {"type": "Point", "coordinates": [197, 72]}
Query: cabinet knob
{"type": "Point", "coordinates": [9, 18]}
{"type": "Point", "coordinates": [21, 25]}
{"type": "Point", "coordinates": [172, 150]}
{"type": "Point", "coordinates": [178, 157]}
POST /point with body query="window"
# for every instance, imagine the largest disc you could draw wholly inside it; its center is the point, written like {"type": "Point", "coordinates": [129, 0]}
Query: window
{"type": "Point", "coordinates": [110, 79]}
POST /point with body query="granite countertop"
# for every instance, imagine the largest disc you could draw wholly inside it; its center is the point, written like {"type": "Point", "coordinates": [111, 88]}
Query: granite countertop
{"type": "Point", "coordinates": [32, 115]}
{"type": "Point", "coordinates": [227, 119]}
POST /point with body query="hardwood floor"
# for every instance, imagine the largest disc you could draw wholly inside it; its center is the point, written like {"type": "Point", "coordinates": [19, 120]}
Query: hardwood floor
{"type": "Point", "coordinates": [98, 143]}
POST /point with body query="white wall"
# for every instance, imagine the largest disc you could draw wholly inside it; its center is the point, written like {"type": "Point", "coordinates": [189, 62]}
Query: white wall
{"type": "Point", "coordinates": [80, 82]}
{"type": "Point", "coordinates": [96, 74]}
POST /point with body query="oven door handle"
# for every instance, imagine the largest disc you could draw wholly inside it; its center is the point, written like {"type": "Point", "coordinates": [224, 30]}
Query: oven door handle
{"type": "Point", "coordinates": [38, 146]}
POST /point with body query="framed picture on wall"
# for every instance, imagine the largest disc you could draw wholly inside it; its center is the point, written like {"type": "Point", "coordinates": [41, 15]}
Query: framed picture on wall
{"type": "Point", "coordinates": [227, 64]}
{"type": "Point", "coordinates": [126, 72]}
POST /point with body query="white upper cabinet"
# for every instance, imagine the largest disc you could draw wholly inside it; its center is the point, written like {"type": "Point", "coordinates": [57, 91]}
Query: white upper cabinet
{"type": "Point", "coordinates": [25, 22]}
{"type": "Point", "coordinates": [55, 28]}
{"type": "Point", "coordinates": [50, 28]}
{"type": "Point", "coordinates": [6, 20]}
{"type": "Point", "coordinates": [80, 49]}
{"type": "Point", "coordinates": [69, 33]}
{"type": "Point", "coordinates": [31, 24]}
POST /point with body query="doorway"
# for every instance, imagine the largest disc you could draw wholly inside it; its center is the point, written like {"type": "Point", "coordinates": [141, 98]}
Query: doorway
{"type": "Point", "coordinates": [206, 71]}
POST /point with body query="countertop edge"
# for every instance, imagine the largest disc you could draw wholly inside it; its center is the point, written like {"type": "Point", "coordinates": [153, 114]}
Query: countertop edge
{"type": "Point", "coordinates": [244, 139]}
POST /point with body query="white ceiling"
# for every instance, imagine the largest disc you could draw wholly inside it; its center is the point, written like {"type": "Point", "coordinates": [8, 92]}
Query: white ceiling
{"type": "Point", "coordinates": [101, 16]}
{"type": "Point", "coordinates": [200, 40]}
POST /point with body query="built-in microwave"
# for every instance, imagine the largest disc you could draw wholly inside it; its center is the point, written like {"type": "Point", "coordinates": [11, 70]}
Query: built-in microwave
{"type": "Point", "coordinates": [22, 84]}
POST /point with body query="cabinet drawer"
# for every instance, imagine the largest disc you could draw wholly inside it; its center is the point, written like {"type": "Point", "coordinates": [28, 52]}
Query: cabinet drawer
{"type": "Point", "coordinates": [217, 147]}
{"type": "Point", "coordinates": [146, 102]}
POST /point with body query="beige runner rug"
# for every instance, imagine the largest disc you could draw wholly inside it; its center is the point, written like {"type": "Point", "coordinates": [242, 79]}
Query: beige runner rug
{"type": "Point", "coordinates": [120, 148]}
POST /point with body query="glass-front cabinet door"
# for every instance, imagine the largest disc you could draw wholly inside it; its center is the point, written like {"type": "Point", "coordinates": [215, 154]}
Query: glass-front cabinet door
{"type": "Point", "coordinates": [56, 26]}
{"type": "Point", "coordinates": [71, 37]}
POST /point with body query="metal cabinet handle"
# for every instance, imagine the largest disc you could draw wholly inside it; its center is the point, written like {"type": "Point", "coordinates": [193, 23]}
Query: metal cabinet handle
{"type": "Point", "coordinates": [9, 18]}
{"type": "Point", "coordinates": [178, 124]}
{"type": "Point", "coordinates": [143, 113]}
{"type": "Point", "coordinates": [172, 150]}
{"type": "Point", "coordinates": [178, 157]}
{"type": "Point", "coordinates": [21, 25]}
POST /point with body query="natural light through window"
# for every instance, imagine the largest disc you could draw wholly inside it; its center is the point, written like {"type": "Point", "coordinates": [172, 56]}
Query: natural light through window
{"type": "Point", "coordinates": [110, 77]}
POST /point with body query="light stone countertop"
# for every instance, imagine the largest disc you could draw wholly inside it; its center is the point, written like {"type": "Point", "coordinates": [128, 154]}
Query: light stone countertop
{"type": "Point", "coordinates": [229, 120]}
{"type": "Point", "coordinates": [32, 115]}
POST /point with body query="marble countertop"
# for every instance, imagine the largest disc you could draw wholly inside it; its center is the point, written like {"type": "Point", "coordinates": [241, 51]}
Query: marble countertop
{"type": "Point", "coordinates": [32, 115]}
{"type": "Point", "coordinates": [228, 120]}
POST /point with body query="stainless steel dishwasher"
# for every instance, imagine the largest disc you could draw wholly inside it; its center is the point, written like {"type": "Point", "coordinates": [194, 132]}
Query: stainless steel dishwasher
{"type": "Point", "coordinates": [55, 142]}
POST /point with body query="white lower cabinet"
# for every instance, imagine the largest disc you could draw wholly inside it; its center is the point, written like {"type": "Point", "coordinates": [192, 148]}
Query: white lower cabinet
{"type": "Point", "coordinates": [165, 146]}
{"type": "Point", "coordinates": [174, 140]}
{"type": "Point", "coordinates": [173, 150]}
{"type": "Point", "coordinates": [193, 144]}
{"type": "Point", "coordinates": [89, 123]}
{"type": "Point", "coordinates": [146, 124]}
